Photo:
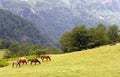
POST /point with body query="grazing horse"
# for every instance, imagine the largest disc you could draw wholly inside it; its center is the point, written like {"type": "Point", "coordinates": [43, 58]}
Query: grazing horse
{"type": "Point", "coordinates": [47, 58]}
{"type": "Point", "coordinates": [22, 60]}
{"type": "Point", "coordinates": [34, 60]}
{"type": "Point", "coordinates": [17, 63]}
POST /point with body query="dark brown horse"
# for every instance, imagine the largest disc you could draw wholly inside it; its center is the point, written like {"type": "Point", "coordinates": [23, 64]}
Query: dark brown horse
{"type": "Point", "coordinates": [45, 58]}
{"type": "Point", "coordinates": [34, 61]}
{"type": "Point", "coordinates": [15, 63]}
{"type": "Point", "coordinates": [22, 60]}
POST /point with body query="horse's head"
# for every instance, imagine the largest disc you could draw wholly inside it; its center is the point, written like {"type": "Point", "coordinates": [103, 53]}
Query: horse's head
{"type": "Point", "coordinates": [41, 56]}
{"type": "Point", "coordinates": [29, 60]}
{"type": "Point", "coordinates": [37, 61]}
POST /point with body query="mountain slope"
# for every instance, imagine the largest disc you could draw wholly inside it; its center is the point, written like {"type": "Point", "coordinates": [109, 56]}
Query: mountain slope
{"type": "Point", "coordinates": [15, 28]}
{"type": "Point", "coordinates": [54, 17]}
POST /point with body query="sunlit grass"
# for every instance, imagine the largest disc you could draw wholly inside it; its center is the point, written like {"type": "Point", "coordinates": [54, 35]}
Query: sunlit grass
{"type": "Point", "coordinates": [99, 62]}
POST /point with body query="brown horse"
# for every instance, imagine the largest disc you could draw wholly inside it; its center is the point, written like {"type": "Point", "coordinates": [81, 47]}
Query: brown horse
{"type": "Point", "coordinates": [34, 60]}
{"type": "Point", "coordinates": [46, 58]}
{"type": "Point", "coordinates": [22, 60]}
{"type": "Point", "coordinates": [17, 63]}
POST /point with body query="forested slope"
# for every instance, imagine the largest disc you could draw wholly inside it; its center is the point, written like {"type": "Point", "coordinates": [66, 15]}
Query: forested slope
{"type": "Point", "coordinates": [15, 28]}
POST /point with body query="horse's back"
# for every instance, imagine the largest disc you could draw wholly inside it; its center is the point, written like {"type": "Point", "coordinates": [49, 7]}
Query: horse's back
{"type": "Point", "coordinates": [45, 56]}
{"type": "Point", "coordinates": [22, 58]}
{"type": "Point", "coordinates": [15, 62]}
{"type": "Point", "coordinates": [34, 60]}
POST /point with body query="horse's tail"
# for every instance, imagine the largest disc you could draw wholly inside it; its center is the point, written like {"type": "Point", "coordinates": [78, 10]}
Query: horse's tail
{"type": "Point", "coordinates": [39, 62]}
{"type": "Point", "coordinates": [49, 58]}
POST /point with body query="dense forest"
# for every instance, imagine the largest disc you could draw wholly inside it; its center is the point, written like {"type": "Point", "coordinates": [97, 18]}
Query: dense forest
{"type": "Point", "coordinates": [83, 38]}
{"type": "Point", "coordinates": [15, 28]}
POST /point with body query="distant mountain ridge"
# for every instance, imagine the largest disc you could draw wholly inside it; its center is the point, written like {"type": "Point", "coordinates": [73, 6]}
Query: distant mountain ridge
{"type": "Point", "coordinates": [54, 17]}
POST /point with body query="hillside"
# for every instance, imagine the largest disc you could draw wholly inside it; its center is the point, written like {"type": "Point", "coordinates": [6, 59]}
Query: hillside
{"type": "Point", "coordinates": [15, 28]}
{"type": "Point", "coordinates": [54, 17]}
{"type": "Point", "coordinates": [98, 62]}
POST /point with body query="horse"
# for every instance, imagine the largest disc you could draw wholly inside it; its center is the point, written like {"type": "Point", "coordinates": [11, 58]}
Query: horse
{"type": "Point", "coordinates": [22, 60]}
{"type": "Point", "coordinates": [34, 60]}
{"type": "Point", "coordinates": [17, 63]}
{"type": "Point", "coordinates": [47, 58]}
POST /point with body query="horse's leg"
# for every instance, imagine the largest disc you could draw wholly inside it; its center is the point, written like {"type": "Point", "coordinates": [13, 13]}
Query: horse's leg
{"type": "Point", "coordinates": [42, 59]}
{"type": "Point", "coordinates": [46, 59]}
{"type": "Point", "coordinates": [19, 64]}
{"type": "Point", "coordinates": [16, 65]}
{"type": "Point", "coordinates": [25, 62]}
{"type": "Point", "coordinates": [13, 65]}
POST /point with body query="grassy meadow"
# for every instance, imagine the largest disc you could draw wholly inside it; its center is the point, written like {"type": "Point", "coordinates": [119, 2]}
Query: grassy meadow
{"type": "Point", "coordinates": [103, 61]}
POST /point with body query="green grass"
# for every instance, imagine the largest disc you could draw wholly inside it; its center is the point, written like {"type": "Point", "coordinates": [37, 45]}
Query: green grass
{"type": "Point", "coordinates": [99, 62]}
{"type": "Point", "coordinates": [3, 63]}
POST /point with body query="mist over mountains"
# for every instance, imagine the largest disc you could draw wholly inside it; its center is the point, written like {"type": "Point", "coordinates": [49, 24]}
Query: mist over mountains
{"type": "Point", "coordinates": [54, 17]}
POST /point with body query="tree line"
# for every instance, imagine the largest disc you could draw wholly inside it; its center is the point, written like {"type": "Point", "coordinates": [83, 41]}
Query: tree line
{"type": "Point", "coordinates": [16, 49]}
{"type": "Point", "coordinates": [84, 38]}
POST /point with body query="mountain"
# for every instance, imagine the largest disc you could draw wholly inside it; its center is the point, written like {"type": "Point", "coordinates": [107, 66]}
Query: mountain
{"type": "Point", "coordinates": [54, 17]}
{"type": "Point", "coordinates": [15, 28]}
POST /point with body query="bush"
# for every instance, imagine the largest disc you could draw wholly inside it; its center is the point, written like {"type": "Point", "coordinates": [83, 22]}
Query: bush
{"type": "Point", "coordinates": [3, 63]}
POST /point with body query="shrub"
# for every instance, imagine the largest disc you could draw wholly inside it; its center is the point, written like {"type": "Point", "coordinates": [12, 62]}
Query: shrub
{"type": "Point", "coordinates": [3, 63]}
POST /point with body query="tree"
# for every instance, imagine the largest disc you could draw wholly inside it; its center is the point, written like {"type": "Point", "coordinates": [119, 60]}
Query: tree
{"type": "Point", "coordinates": [101, 37]}
{"type": "Point", "coordinates": [4, 44]}
{"type": "Point", "coordinates": [75, 40]}
{"type": "Point", "coordinates": [92, 40]}
{"type": "Point", "coordinates": [113, 33]}
{"type": "Point", "coordinates": [83, 38]}
{"type": "Point", "coordinates": [80, 37]}
{"type": "Point", "coordinates": [14, 48]}
{"type": "Point", "coordinates": [66, 41]}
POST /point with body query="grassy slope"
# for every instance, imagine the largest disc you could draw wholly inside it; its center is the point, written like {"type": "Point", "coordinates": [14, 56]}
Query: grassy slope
{"type": "Point", "coordinates": [99, 62]}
